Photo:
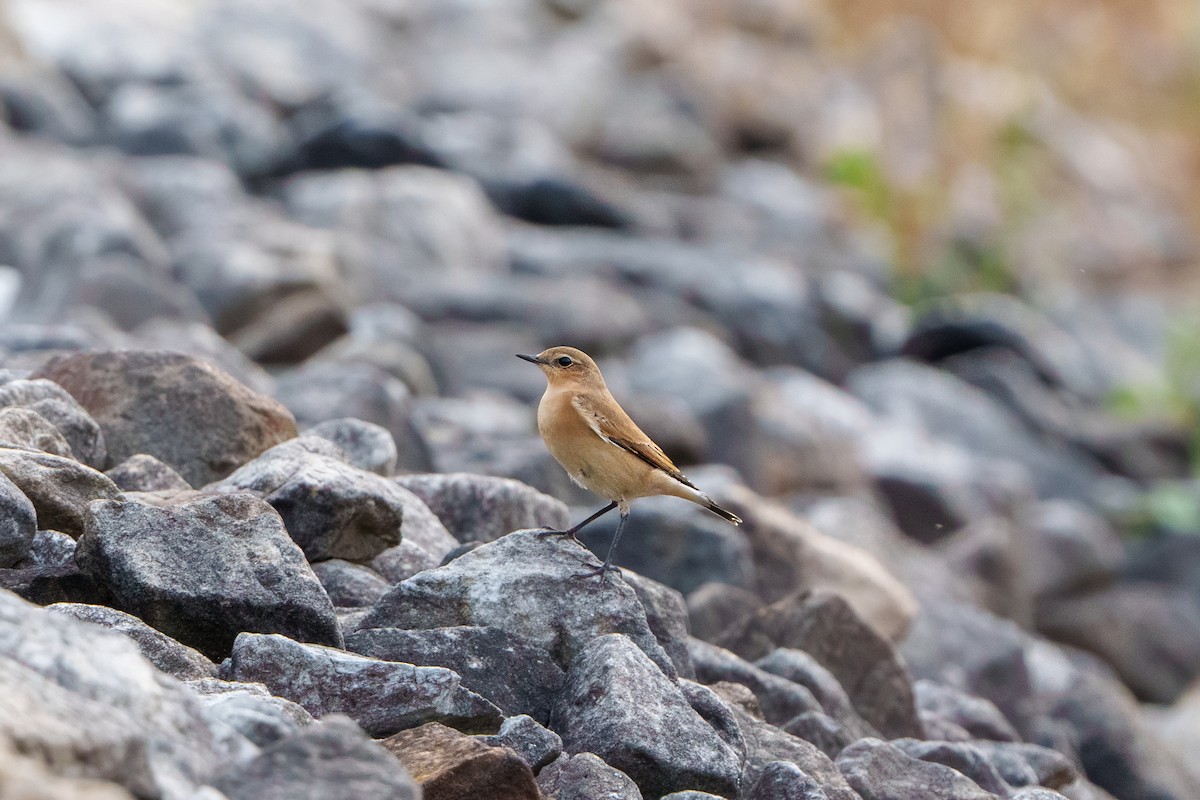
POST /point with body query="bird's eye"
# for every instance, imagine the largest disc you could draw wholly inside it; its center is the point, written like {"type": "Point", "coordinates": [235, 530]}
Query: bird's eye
{"type": "Point", "coordinates": [564, 361]}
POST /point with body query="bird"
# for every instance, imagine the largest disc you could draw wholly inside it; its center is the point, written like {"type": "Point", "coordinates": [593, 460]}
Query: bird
{"type": "Point", "coordinates": [601, 448]}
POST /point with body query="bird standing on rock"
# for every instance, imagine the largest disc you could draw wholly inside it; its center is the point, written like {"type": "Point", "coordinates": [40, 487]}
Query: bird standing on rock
{"type": "Point", "coordinates": [600, 447]}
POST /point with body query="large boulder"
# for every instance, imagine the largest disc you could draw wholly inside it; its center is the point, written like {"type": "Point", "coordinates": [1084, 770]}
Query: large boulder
{"type": "Point", "coordinates": [382, 696]}
{"type": "Point", "coordinates": [529, 586]}
{"type": "Point", "coordinates": [205, 570]}
{"type": "Point", "coordinates": [617, 704]}
{"type": "Point", "coordinates": [179, 409]}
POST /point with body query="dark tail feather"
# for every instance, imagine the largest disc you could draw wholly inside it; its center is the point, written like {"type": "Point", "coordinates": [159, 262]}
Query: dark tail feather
{"type": "Point", "coordinates": [723, 514]}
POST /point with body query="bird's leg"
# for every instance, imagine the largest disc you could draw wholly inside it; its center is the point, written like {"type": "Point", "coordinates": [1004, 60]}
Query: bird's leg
{"type": "Point", "coordinates": [612, 548]}
{"type": "Point", "coordinates": [570, 532]}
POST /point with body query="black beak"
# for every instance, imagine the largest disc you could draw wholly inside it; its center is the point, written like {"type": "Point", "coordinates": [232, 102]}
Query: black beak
{"type": "Point", "coordinates": [530, 359]}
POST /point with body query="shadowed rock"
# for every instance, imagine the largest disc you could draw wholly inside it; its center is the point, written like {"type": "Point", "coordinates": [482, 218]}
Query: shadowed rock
{"type": "Point", "coordinates": [453, 766]}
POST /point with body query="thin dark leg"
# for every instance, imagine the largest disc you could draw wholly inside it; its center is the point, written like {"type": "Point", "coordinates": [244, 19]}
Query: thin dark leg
{"type": "Point", "coordinates": [612, 548]}
{"type": "Point", "coordinates": [570, 532]}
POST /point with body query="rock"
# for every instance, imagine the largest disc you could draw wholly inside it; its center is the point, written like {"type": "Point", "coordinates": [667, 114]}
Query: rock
{"type": "Point", "coordinates": [401, 562]}
{"type": "Point", "coordinates": [677, 544]}
{"type": "Point", "coordinates": [719, 713]}
{"type": "Point", "coordinates": [713, 607]}
{"type": "Point", "coordinates": [320, 391]}
{"type": "Point", "coordinates": [54, 404]}
{"type": "Point", "coordinates": [171, 657]}
{"type": "Point", "coordinates": [783, 780]}
{"type": "Point", "coordinates": [369, 446]}
{"type": "Point", "coordinates": [200, 340]}
{"type": "Point", "coordinates": [516, 675]}
{"type": "Point", "coordinates": [331, 509]}
{"type": "Point", "coordinates": [536, 745]}
{"type": "Point", "coordinates": [420, 527]}
{"type": "Point", "coordinates": [829, 735]}
{"type": "Point", "coordinates": [690, 795]}
{"type": "Point", "coordinates": [825, 626]}
{"type": "Point", "coordinates": [177, 408]}
{"type": "Point", "coordinates": [779, 699]}
{"type": "Point", "coordinates": [667, 616]}
{"type": "Point", "coordinates": [294, 327]}
{"type": "Point", "coordinates": [27, 778]}
{"type": "Point", "coordinates": [974, 715]}
{"type": "Point", "coordinates": [19, 526]}
{"type": "Point", "coordinates": [145, 473]}
{"type": "Point", "coordinates": [1022, 764]}
{"type": "Point", "coordinates": [585, 777]}
{"type": "Point", "coordinates": [560, 612]}
{"type": "Point", "coordinates": [86, 703]}
{"type": "Point", "coordinates": [878, 770]}
{"type": "Point", "coordinates": [49, 549]}
{"type": "Point", "coordinates": [790, 555]}
{"type": "Point", "coordinates": [59, 488]}
{"type": "Point", "coordinates": [332, 759]}
{"type": "Point", "coordinates": [24, 428]}
{"type": "Point", "coordinates": [766, 744]}
{"type": "Point", "coordinates": [960, 756]}
{"type": "Point", "coordinates": [453, 766]}
{"type": "Point", "coordinates": [206, 569]}
{"type": "Point", "coordinates": [250, 709]}
{"type": "Point", "coordinates": [617, 704]}
{"type": "Point", "coordinates": [801, 668]}
{"type": "Point", "coordinates": [350, 585]}
{"type": "Point", "coordinates": [381, 696]}
{"type": "Point", "coordinates": [482, 508]}
{"type": "Point", "coordinates": [1072, 549]}
{"type": "Point", "coordinates": [1149, 634]}
{"type": "Point", "coordinates": [54, 583]}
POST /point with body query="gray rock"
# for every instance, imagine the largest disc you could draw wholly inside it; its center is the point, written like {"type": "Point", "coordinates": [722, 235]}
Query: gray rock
{"type": "Point", "coordinates": [718, 712]}
{"type": "Point", "coordinates": [783, 780]}
{"type": "Point", "coordinates": [401, 562]}
{"type": "Point", "coordinates": [1037, 793]}
{"type": "Point", "coordinates": [516, 675]}
{"type": "Point", "coordinates": [54, 404]}
{"type": "Point", "coordinates": [145, 473]}
{"type": "Point", "coordinates": [801, 668]}
{"type": "Point", "coordinates": [483, 508]}
{"type": "Point", "coordinates": [766, 744]}
{"type": "Point", "coordinates": [59, 488]}
{"type": "Point", "coordinates": [25, 428]}
{"type": "Point", "coordinates": [536, 745]}
{"type": "Point", "coordinates": [250, 709]}
{"type": "Point", "coordinates": [369, 446]}
{"type": "Point", "coordinates": [54, 583]}
{"type": "Point", "coordinates": [617, 704]}
{"type": "Point", "coordinates": [713, 607]}
{"type": "Point", "coordinates": [677, 544]}
{"type": "Point", "coordinates": [976, 716]}
{"type": "Point", "coordinates": [825, 626]}
{"type": "Point", "coordinates": [294, 327]}
{"type": "Point", "coordinates": [666, 613]}
{"type": "Point", "coordinates": [829, 735]}
{"type": "Point", "coordinates": [86, 703]}
{"type": "Point", "coordinates": [171, 657]}
{"type": "Point", "coordinates": [560, 611]}
{"type": "Point", "coordinates": [49, 549]}
{"type": "Point", "coordinates": [200, 340]}
{"type": "Point", "coordinates": [690, 795]}
{"type": "Point", "coordinates": [1023, 764]}
{"type": "Point", "coordinates": [961, 756]}
{"type": "Point", "coordinates": [350, 585]}
{"type": "Point", "coordinates": [381, 696]}
{"type": "Point", "coordinates": [19, 526]}
{"type": "Point", "coordinates": [779, 699]}
{"type": "Point", "coordinates": [320, 391]}
{"type": "Point", "coordinates": [333, 759]}
{"type": "Point", "coordinates": [331, 509]}
{"type": "Point", "coordinates": [585, 776]}
{"type": "Point", "coordinates": [879, 771]}
{"type": "Point", "coordinates": [1072, 549]}
{"type": "Point", "coordinates": [177, 408]}
{"type": "Point", "coordinates": [206, 569]}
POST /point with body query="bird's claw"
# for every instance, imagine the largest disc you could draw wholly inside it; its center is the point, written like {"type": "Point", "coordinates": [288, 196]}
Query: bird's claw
{"type": "Point", "coordinates": [600, 572]}
{"type": "Point", "coordinates": [548, 531]}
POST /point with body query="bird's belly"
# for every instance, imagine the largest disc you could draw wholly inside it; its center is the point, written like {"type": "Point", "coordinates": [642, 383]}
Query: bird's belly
{"type": "Point", "coordinates": [616, 475]}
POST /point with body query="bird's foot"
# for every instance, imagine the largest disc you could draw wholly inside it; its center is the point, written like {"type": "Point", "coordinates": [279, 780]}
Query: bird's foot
{"type": "Point", "coordinates": [569, 533]}
{"type": "Point", "coordinates": [601, 572]}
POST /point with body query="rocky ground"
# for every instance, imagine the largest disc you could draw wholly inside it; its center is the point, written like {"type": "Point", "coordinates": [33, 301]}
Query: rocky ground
{"type": "Point", "coordinates": [271, 480]}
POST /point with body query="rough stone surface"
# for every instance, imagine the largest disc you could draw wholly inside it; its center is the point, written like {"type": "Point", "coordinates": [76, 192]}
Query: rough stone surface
{"type": "Point", "coordinates": [525, 585]}
{"type": "Point", "coordinates": [350, 585]}
{"type": "Point", "coordinates": [19, 524]}
{"type": "Point", "coordinates": [974, 715]}
{"type": "Point", "coordinates": [666, 613]}
{"type": "Point", "coordinates": [453, 766]}
{"type": "Point", "coordinates": [880, 771]}
{"type": "Point", "coordinates": [49, 549]}
{"type": "Point", "coordinates": [801, 668]}
{"type": "Point", "coordinates": [766, 744]}
{"type": "Point", "coordinates": [381, 696]}
{"type": "Point", "coordinates": [205, 570]}
{"type": "Point", "coordinates": [25, 428]}
{"type": "Point", "coordinates": [617, 704]}
{"type": "Point", "coordinates": [368, 446]}
{"type": "Point", "coordinates": [250, 709]}
{"type": "Point", "coordinates": [179, 409]}
{"type": "Point", "coordinates": [145, 473]}
{"type": "Point", "coordinates": [54, 404]}
{"type": "Point", "coordinates": [331, 509]}
{"type": "Point", "coordinates": [482, 508]}
{"type": "Point", "coordinates": [332, 759]}
{"type": "Point", "coordinates": [171, 657]}
{"type": "Point", "coordinates": [516, 675]}
{"type": "Point", "coordinates": [713, 607]}
{"type": "Point", "coordinates": [783, 780]}
{"type": "Point", "coordinates": [778, 699]}
{"type": "Point", "coordinates": [585, 776]}
{"type": "Point", "coordinates": [536, 745]}
{"type": "Point", "coordinates": [960, 756]}
{"type": "Point", "coordinates": [59, 488]}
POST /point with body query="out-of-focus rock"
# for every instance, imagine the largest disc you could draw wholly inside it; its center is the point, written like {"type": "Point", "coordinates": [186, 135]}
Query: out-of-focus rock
{"type": "Point", "coordinates": [585, 776]}
{"type": "Point", "coordinates": [878, 770]}
{"type": "Point", "coordinates": [59, 488]}
{"type": "Point", "coordinates": [368, 446]}
{"type": "Point", "coordinates": [350, 585]}
{"type": "Point", "coordinates": [25, 428]}
{"type": "Point", "coordinates": [145, 473]}
{"type": "Point", "coordinates": [713, 607]}
{"type": "Point", "coordinates": [20, 524]}
{"type": "Point", "coordinates": [482, 508]}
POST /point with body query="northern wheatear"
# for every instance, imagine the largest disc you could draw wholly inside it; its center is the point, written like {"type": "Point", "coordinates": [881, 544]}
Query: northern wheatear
{"type": "Point", "coordinates": [600, 447]}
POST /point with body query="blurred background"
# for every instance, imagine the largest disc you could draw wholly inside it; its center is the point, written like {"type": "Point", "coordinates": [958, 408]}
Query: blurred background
{"type": "Point", "coordinates": [925, 274]}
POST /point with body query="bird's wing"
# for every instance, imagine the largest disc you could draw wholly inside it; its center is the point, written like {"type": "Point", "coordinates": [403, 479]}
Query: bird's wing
{"type": "Point", "coordinates": [618, 429]}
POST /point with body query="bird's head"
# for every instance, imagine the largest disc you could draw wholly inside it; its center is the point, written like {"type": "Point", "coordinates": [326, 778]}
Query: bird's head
{"type": "Point", "coordinates": [564, 365]}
